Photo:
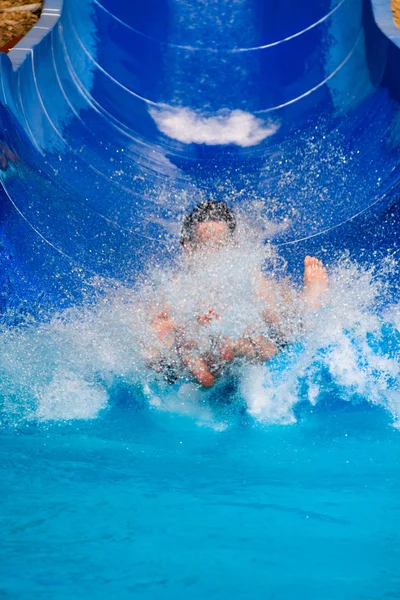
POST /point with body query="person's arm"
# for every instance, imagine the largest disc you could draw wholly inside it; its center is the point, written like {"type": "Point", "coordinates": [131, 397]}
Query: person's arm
{"type": "Point", "coordinates": [281, 308]}
{"type": "Point", "coordinates": [193, 361]}
{"type": "Point", "coordinates": [171, 337]}
{"type": "Point", "coordinates": [255, 348]}
{"type": "Point", "coordinates": [163, 330]}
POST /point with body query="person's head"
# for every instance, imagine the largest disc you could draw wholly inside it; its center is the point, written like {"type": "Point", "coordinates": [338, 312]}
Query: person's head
{"type": "Point", "coordinates": [209, 224]}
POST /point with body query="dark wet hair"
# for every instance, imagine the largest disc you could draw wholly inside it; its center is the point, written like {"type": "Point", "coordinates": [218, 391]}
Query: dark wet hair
{"type": "Point", "coordinates": [207, 211]}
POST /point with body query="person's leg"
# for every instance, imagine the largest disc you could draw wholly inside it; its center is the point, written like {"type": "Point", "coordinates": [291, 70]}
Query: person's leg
{"type": "Point", "coordinates": [315, 282]}
{"type": "Point", "coordinates": [164, 329]}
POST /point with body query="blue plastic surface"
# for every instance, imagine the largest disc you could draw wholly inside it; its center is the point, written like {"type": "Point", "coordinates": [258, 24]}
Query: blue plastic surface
{"type": "Point", "coordinates": [102, 103]}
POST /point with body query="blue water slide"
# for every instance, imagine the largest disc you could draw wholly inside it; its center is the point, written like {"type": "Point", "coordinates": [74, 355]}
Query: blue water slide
{"type": "Point", "coordinates": [116, 117]}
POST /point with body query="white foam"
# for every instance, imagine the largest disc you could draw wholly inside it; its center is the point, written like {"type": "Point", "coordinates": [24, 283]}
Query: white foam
{"type": "Point", "coordinates": [227, 127]}
{"type": "Point", "coordinates": [267, 401]}
{"type": "Point", "coordinates": [69, 397]}
{"type": "Point", "coordinates": [189, 400]}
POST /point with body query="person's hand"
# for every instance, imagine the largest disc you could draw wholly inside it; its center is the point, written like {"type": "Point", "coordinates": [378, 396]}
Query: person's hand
{"type": "Point", "coordinates": [256, 348]}
{"type": "Point", "coordinates": [208, 317]}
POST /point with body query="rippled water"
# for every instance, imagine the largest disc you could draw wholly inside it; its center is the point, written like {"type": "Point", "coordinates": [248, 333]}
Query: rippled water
{"type": "Point", "coordinates": [144, 504]}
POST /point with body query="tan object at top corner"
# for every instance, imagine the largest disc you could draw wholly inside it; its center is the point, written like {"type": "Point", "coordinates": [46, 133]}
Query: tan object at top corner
{"type": "Point", "coordinates": [24, 8]}
{"type": "Point", "coordinates": [396, 12]}
{"type": "Point", "coordinates": [16, 19]}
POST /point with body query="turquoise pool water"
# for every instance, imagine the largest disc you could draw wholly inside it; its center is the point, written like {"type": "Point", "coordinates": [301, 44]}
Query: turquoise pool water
{"type": "Point", "coordinates": [143, 504]}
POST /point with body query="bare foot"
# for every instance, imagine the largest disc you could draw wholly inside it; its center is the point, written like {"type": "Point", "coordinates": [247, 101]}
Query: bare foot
{"type": "Point", "coordinates": [315, 281]}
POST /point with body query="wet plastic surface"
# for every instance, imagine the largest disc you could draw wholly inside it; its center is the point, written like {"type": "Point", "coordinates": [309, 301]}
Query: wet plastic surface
{"type": "Point", "coordinates": [116, 118]}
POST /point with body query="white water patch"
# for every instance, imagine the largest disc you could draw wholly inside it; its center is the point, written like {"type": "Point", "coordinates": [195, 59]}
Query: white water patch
{"type": "Point", "coordinates": [69, 397]}
{"type": "Point", "coordinates": [187, 400]}
{"type": "Point", "coordinates": [64, 369]}
{"type": "Point", "coordinates": [227, 127]}
{"type": "Point", "coordinates": [267, 401]}
{"type": "Point", "coordinates": [394, 315]}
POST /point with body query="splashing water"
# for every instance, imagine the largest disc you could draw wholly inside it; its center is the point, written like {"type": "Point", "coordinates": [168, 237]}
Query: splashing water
{"type": "Point", "coordinates": [67, 368]}
{"type": "Point", "coordinates": [349, 352]}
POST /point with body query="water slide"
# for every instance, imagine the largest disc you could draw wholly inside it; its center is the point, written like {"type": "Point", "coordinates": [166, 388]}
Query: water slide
{"type": "Point", "coordinates": [281, 481]}
{"type": "Point", "coordinates": [118, 117]}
